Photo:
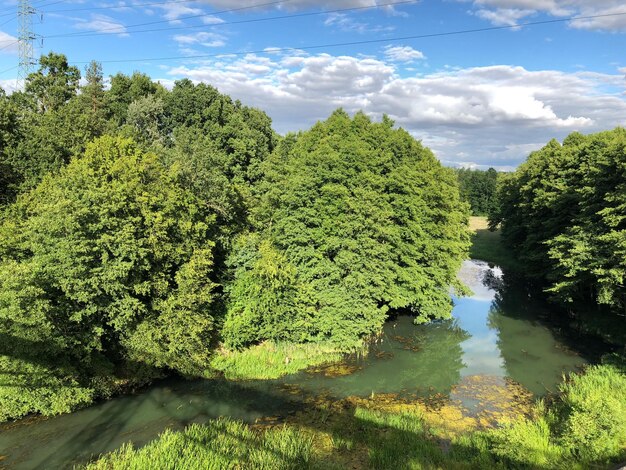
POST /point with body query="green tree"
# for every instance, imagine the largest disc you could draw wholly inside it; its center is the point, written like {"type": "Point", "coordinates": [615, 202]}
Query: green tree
{"type": "Point", "coordinates": [478, 187]}
{"type": "Point", "coordinates": [109, 257]}
{"type": "Point", "coordinates": [563, 213]}
{"type": "Point", "coordinates": [54, 83]}
{"type": "Point", "coordinates": [126, 89]}
{"type": "Point", "coordinates": [356, 219]}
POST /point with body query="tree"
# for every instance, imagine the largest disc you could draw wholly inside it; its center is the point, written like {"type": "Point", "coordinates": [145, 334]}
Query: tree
{"type": "Point", "coordinates": [563, 213]}
{"type": "Point", "coordinates": [54, 83]}
{"type": "Point", "coordinates": [124, 90]}
{"type": "Point", "coordinates": [93, 90]}
{"type": "Point", "coordinates": [356, 219]}
{"type": "Point", "coordinates": [478, 187]}
{"type": "Point", "coordinates": [109, 258]}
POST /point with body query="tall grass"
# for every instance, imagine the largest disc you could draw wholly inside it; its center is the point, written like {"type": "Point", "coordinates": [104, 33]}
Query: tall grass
{"type": "Point", "coordinates": [271, 360]}
{"type": "Point", "coordinates": [220, 444]}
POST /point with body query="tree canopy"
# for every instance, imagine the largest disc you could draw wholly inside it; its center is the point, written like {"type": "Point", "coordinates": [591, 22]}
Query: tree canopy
{"type": "Point", "coordinates": [355, 219]}
{"type": "Point", "coordinates": [564, 214]}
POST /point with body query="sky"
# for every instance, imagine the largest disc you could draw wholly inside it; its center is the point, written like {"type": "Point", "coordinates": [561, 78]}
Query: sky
{"type": "Point", "coordinates": [481, 82]}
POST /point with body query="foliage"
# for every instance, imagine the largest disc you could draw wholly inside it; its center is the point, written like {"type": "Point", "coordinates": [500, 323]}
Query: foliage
{"type": "Point", "coordinates": [244, 135]}
{"type": "Point", "coordinates": [478, 187]}
{"type": "Point", "coordinates": [585, 426]}
{"type": "Point", "coordinates": [564, 214]}
{"type": "Point", "coordinates": [27, 387]}
{"type": "Point", "coordinates": [54, 83]}
{"type": "Point", "coordinates": [355, 219]}
{"type": "Point", "coordinates": [219, 444]}
{"type": "Point", "coordinates": [594, 414]}
{"type": "Point", "coordinates": [109, 257]}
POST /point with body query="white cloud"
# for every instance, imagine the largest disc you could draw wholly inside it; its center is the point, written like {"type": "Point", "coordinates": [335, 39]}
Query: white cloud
{"type": "Point", "coordinates": [403, 54]}
{"type": "Point", "coordinates": [504, 16]}
{"type": "Point", "coordinates": [101, 24]}
{"type": "Point", "coordinates": [347, 23]}
{"type": "Point", "coordinates": [8, 43]}
{"type": "Point", "coordinates": [203, 38]}
{"type": "Point", "coordinates": [174, 11]}
{"type": "Point", "coordinates": [298, 4]}
{"type": "Point", "coordinates": [492, 116]}
{"type": "Point", "coordinates": [9, 85]}
{"type": "Point", "coordinates": [509, 12]}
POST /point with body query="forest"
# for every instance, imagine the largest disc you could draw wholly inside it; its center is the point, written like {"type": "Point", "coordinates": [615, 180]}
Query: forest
{"type": "Point", "coordinates": [148, 232]}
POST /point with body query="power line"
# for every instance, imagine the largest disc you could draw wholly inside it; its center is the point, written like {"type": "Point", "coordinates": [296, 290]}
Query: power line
{"type": "Point", "coordinates": [102, 31]}
{"type": "Point", "coordinates": [12, 13]}
{"type": "Point", "coordinates": [225, 23]}
{"type": "Point", "coordinates": [366, 41]}
{"type": "Point", "coordinates": [9, 69]}
{"type": "Point", "coordinates": [121, 7]}
{"type": "Point", "coordinates": [230, 10]}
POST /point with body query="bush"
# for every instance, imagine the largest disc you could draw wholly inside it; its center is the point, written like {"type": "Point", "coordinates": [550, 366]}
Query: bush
{"type": "Point", "coordinates": [594, 414]}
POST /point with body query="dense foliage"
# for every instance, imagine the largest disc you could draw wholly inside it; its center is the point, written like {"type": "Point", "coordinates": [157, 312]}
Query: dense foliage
{"type": "Point", "coordinates": [140, 226]}
{"type": "Point", "coordinates": [355, 219]}
{"type": "Point", "coordinates": [478, 187]}
{"type": "Point", "coordinates": [564, 213]}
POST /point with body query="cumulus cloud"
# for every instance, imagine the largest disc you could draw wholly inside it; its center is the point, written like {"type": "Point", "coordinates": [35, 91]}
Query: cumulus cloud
{"type": "Point", "coordinates": [101, 24]}
{"type": "Point", "coordinates": [202, 38]}
{"type": "Point", "coordinates": [491, 116]}
{"type": "Point", "coordinates": [9, 85]}
{"type": "Point", "coordinates": [607, 13]}
{"type": "Point", "coordinates": [347, 23]}
{"type": "Point", "coordinates": [403, 54]}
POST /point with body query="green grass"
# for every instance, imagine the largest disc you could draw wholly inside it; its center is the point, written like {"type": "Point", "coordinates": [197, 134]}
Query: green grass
{"type": "Point", "coordinates": [488, 246]}
{"type": "Point", "coordinates": [271, 360]}
{"type": "Point", "coordinates": [220, 444]}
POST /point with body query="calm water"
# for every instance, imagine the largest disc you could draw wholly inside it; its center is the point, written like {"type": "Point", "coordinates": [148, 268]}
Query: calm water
{"type": "Point", "coordinates": [500, 332]}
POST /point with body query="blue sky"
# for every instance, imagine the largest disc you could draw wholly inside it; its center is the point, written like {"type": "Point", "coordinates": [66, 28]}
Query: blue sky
{"type": "Point", "coordinates": [477, 99]}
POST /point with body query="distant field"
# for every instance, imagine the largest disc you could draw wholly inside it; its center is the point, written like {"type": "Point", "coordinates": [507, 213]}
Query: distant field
{"type": "Point", "coordinates": [487, 245]}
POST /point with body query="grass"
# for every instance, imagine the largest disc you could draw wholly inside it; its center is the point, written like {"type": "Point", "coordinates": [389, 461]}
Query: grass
{"type": "Point", "coordinates": [270, 360]}
{"type": "Point", "coordinates": [487, 245]}
{"type": "Point", "coordinates": [583, 427]}
{"type": "Point", "coordinates": [220, 444]}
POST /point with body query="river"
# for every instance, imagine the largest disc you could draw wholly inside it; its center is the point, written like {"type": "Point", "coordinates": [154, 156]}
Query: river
{"type": "Point", "coordinates": [501, 335]}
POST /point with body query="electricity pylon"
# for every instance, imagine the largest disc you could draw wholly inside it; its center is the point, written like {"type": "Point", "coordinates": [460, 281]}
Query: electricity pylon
{"type": "Point", "coordinates": [25, 38]}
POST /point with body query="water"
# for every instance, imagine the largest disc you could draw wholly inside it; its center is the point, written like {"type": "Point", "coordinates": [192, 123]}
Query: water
{"type": "Point", "coordinates": [500, 333]}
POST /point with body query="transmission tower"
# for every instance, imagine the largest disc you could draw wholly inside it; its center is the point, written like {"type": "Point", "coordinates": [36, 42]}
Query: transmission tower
{"type": "Point", "coordinates": [25, 38]}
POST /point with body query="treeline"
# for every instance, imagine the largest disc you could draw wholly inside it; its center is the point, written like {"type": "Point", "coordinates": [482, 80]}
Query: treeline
{"type": "Point", "coordinates": [563, 212]}
{"type": "Point", "coordinates": [479, 189]}
{"type": "Point", "coordinates": [144, 227]}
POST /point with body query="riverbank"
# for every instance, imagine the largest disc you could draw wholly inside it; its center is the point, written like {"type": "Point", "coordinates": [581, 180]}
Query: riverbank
{"type": "Point", "coordinates": [488, 246]}
{"type": "Point", "coordinates": [583, 426]}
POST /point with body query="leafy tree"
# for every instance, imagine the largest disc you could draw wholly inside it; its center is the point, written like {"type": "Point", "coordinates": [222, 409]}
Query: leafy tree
{"type": "Point", "coordinates": [54, 83]}
{"type": "Point", "coordinates": [124, 90]}
{"type": "Point", "coordinates": [9, 135]}
{"type": "Point", "coordinates": [355, 219]}
{"type": "Point", "coordinates": [145, 119]}
{"type": "Point", "coordinates": [478, 187]}
{"type": "Point", "coordinates": [563, 213]}
{"type": "Point", "coordinates": [243, 134]}
{"type": "Point", "coordinates": [109, 257]}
